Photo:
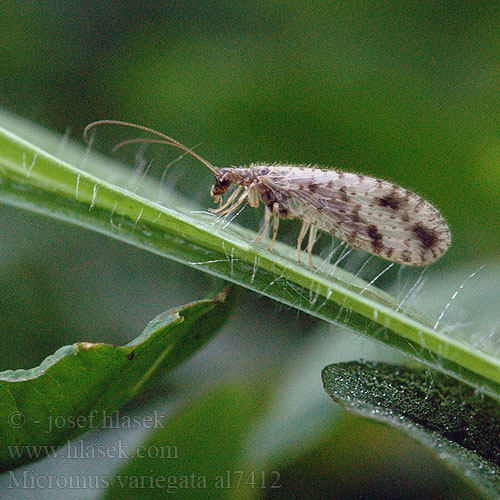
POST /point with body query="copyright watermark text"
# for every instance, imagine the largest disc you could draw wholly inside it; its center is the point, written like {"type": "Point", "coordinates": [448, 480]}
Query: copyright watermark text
{"type": "Point", "coordinates": [96, 418]}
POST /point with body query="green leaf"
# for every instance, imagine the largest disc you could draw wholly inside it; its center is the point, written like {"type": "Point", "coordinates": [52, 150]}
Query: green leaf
{"type": "Point", "coordinates": [36, 180]}
{"type": "Point", "coordinates": [461, 425]}
{"type": "Point", "coordinates": [197, 454]}
{"type": "Point", "coordinates": [80, 385]}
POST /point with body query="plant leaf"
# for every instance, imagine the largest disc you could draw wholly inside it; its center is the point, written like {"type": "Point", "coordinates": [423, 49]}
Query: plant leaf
{"type": "Point", "coordinates": [461, 425]}
{"type": "Point", "coordinates": [35, 180]}
{"type": "Point", "coordinates": [196, 454]}
{"type": "Point", "coordinates": [78, 386]}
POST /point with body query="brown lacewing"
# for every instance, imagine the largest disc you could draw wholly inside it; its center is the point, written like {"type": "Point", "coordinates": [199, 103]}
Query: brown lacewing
{"type": "Point", "coordinates": [371, 214]}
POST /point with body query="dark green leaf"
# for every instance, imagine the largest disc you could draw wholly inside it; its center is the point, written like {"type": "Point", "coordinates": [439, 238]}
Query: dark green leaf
{"type": "Point", "coordinates": [461, 425]}
{"type": "Point", "coordinates": [75, 388]}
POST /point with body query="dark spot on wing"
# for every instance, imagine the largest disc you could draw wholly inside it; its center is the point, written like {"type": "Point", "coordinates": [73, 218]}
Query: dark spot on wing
{"type": "Point", "coordinates": [426, 235]}
{"type": "Point", "coordinates": [375, 236]}
{"type": "Point", "coordinates": [355, 214]}
{"type": "Point", "coordinates": [352, 238]}
{"type": "Point", "coordinates": [392, 200]}
{"type": "Point", "coordinates": [313, 187]}
{"type": "Point", "coordinates": [406, 256]}
{"type": "Point", "coordinates": [419, 205]}
{"type": "Point", "coordinates": [343, 194]}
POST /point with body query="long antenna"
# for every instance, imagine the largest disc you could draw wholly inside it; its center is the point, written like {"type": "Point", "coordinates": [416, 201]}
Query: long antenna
{"type": "Point", "coordinates": [143, 140]}
{"type": "Point", "coordinates": [165, 140]}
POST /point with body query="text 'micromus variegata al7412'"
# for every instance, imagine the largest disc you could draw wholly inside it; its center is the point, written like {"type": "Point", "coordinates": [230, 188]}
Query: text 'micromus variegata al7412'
{"type": "Point", "coordinates": [371, 214]}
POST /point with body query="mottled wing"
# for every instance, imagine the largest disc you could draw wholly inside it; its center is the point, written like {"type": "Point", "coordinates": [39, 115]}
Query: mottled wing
{"type": "Point", "coordinates": [371, 214]}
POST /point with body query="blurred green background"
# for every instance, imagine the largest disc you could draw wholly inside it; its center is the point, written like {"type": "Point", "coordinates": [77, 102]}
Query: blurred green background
{"type": "Point", "coordinates": [407, 91]}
